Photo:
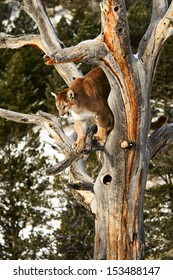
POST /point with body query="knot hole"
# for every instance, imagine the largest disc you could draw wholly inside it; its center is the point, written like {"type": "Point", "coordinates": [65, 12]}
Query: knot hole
{"type": "Point", "coordinates": [106, 179]}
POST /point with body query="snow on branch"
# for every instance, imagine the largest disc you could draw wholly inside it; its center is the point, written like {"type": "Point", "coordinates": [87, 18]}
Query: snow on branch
{"type": "Point", "coordinates": [159, 139]}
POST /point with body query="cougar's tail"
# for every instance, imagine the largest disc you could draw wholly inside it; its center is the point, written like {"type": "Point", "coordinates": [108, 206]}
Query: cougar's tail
{"type": "Point", "coordinates": [111, 121]}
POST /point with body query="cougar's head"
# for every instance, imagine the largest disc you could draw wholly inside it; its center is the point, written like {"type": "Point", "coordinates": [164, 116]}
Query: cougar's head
{"type": "Point", "coordinates": [65, 101]}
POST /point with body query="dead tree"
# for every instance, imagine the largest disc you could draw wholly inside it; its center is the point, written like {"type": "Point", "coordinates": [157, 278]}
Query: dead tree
{"type": "Point", "coordinates": [116, 197]}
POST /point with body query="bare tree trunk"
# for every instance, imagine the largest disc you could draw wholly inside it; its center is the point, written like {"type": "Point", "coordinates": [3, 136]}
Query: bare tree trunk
{"type": "Point", "coordinates": [120, 186]}
{"type": "Point", "coordinates": [118, 196]}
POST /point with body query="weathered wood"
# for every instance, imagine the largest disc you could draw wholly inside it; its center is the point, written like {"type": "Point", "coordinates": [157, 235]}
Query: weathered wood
{"type": "Point", "coordinates": [159, 8]}
{"type": "Point", "coordinates": [84, 197]}
{"type": "Point", "coordinates": [88, 51]}
{"type": "Point", "coordinates": [51, 43]}
{"type": "Point", "coordinates": [54, 128]}
{"type": "Point", "coordinates": [45, 120]}
{"type": "Point", "coordinates": [13, 42]}
{"type": "Point", "coordinates": [119, 211]}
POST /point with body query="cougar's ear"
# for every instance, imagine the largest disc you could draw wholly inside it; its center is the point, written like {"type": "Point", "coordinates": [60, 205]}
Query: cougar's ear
{"type": "Point", "coordinates": [54, 94]}
{"type": "Point", "coordinates": [70, 94]}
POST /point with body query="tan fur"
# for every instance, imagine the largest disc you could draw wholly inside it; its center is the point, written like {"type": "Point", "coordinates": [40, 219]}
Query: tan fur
{"type": "Point", "coordinates": [86, 98]}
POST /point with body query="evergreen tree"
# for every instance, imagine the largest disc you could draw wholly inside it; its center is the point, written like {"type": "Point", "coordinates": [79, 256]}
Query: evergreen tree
{"type": "Point", "coordinates": [74, 238]}
{"type": "Point", "coordinates": [23, 84]}
{"type": "Point", "coordinates": [159, 221]}
{"type": "Point", "coordinates": [4, 15]}
{"type": "Point", "coordinates": [26, 210]}
{"type": "Point", "coordinates": [139, 14]}
{"type": "Point", "coordinates": [162, 87]}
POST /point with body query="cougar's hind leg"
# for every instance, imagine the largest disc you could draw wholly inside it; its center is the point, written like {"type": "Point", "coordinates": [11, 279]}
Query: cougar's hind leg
{"type": "Point", "coordinates": [81, 129]}
{"type": "Point", "coordinates": [102, 124]}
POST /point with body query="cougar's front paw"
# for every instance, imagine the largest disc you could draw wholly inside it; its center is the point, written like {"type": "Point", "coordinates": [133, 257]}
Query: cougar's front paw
{"type": "Point", "coordinates": [79, 146]}
{"type": "Point", "coordinates": [100, 140]}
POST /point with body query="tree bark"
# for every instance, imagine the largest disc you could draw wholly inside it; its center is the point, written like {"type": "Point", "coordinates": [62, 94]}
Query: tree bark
{"type": "Point", "coordinates": [120, 186]}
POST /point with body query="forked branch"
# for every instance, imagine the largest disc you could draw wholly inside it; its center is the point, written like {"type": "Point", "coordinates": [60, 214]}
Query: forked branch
{"type": "Point", "coordinates": [88, 51]}
{"type": "Point", "coordinates": [159, 30]}
{"type": "Point", "coordinates": [54, 128]}
{"type": "Point", "coordinates": [48, 42]}
{"type": "Point", "coordinates": [45, 120]}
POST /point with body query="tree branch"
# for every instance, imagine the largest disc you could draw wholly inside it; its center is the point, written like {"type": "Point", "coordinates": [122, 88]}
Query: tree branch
{"type": "Point", "coordinates": [88, 51]}
{"type": "Point", "coordinates": [50, 42]}
{"type": "Point", "coordinates": [15, 42]}
{"type": "Point", "coordinates": [159, 139]}
{"type": "Point", "coordinates": [36, 10]}
{"type": "Point", "coordinates": [64, 163]}
{"type": "Point", "coordinates": [70, 158]}
{"type": "Point", "coordinates": [54, 128]}
{"type": "Point", "coordinates": [159, 30]}
{"type": "Point", "coordinates": [47, 41]}
{"type": "Point", "coordinates": [85, 197]}
{"type": "Point", "coordinates": [165, 27]}
{"type": "Point", "coordinates": [159, 8]}
{"type": "Point", "coordinates": [45, 120]}
{"type": "Point", "coordinates": [19, 117]}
